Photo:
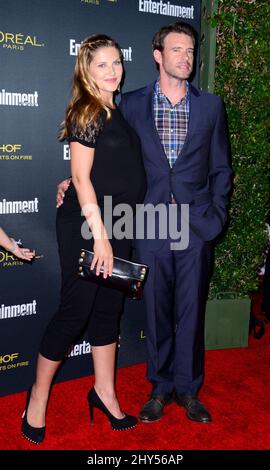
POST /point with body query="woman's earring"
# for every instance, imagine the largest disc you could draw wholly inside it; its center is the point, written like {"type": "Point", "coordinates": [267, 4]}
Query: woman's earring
{"type": "Point", "coordinates": [119, 88]}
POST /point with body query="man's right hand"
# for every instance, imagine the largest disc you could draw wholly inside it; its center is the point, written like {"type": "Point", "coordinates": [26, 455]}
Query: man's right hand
{"type": "Point", "coordinates": [61, 189]}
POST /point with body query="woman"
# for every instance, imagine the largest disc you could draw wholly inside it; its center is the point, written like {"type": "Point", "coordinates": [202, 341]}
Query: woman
{"type": "Point", "coordinates": [105, 161]}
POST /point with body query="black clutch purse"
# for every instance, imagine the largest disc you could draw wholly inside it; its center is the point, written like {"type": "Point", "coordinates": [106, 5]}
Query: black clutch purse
{"type": "Point", "coordinates": [127, 277]}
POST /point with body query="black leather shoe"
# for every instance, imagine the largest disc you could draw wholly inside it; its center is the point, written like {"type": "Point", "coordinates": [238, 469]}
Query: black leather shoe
{"type": "Point", "coordinates": [152, 410]}
{"type": "Point", "coordinates": [195, 410]}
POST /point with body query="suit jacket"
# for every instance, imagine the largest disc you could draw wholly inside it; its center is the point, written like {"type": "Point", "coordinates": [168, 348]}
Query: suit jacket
{"type": "Point", "coordinates": [201, 175]}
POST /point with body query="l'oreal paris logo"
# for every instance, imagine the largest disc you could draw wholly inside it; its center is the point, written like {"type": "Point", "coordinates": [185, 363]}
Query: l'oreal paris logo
{"type": "Point", "coordinates": [18, 41]}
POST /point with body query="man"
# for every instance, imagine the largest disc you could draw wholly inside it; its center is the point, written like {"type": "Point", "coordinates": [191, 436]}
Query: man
{"type": "Point", "coordinates": [186, 158]}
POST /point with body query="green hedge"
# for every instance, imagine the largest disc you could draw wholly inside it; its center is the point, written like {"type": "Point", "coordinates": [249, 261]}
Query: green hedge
{"type": "Point", "coordinates": [242, 79]}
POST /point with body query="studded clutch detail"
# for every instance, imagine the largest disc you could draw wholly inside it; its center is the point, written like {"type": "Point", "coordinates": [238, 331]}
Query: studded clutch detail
{"type": "Point", "coordinates": [127, 276]}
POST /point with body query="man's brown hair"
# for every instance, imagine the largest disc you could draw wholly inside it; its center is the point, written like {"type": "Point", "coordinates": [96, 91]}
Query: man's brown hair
{"type": "Point", "coordinates": [177, 27]}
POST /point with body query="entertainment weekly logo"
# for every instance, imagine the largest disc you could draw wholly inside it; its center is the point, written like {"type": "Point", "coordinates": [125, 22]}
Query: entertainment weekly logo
{"type": "Point", "coordinates": [19, 207]}
{"type": "Point", "coordinates": [166, 8]}
{"type": "Point", "coordinates": [66, 152]}
{"type": "Point", "coordinates": [74, 48]}
{"type": "Point", "coordinates": [80, 349]}
{"type": "Point", "coordinates": [83, 348]}
{"type": "Point", "coordinates": [14, 98]}
{"type": "Point", "coordinates": [16, 311]}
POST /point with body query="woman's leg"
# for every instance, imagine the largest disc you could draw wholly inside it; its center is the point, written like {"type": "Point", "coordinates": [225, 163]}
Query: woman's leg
{"type": "Point", "coordinates": [103, 330]}
{"type": "Point", "coordinates": [77, 299]}
{"type": "Point", "coordinates": [46, 370]}
{"type": "Point", "coordinates": [104, 367]}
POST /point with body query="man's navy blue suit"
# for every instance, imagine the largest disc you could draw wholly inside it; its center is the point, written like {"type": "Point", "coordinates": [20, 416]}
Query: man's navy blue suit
{"type": "Point", "coordinates": [176, 288]}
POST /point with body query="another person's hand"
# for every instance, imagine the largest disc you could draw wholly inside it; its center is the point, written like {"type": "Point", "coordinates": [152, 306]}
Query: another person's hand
{"type": "Point", "coordinates": [23, 253]}
{"type": "Point", "coordinates": [10, 245]}
{"type": "Point", "coordinates": [103, 256]}
{"type": "Point", "coordinates": [61, 189]}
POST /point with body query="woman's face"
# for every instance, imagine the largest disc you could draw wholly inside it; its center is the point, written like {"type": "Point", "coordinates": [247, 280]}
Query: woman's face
{"type": "Point", "coordinates": [106, 69]}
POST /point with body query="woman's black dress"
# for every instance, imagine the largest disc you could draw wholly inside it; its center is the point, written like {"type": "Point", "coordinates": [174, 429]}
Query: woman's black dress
{"type": "Point", "coordinates": [118, 172]}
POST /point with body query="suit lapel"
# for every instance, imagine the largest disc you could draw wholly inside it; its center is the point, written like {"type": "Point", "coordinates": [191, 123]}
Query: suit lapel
{"type": "Point", "coordinates": [193, 116]}
{"type": "Point", "coordinates": [151, 126]}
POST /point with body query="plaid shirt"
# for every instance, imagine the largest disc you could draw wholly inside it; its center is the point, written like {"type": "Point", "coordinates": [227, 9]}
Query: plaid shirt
{"type": "Point", "coordinates": [171, 122]}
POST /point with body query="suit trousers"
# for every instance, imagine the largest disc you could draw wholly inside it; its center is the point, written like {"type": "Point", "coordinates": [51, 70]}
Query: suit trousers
{"type": "Point", "coordinates": [175, 295]}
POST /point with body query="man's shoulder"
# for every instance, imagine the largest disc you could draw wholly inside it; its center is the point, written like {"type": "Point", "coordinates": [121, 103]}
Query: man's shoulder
{"type": "Point", "coordinates": [129, 95]}
{"type": "Point", "coordinates": [206, 96]}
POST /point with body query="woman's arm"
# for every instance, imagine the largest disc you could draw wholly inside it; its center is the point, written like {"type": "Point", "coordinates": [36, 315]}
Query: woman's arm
{"type": "Point", "coordinates": [82, 159]}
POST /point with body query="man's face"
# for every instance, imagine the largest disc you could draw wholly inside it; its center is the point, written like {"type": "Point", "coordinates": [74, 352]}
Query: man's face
{"type": "Point", "coordinates": [176, 59]}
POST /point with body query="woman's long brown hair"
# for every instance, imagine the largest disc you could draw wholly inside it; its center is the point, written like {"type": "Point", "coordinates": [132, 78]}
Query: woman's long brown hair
{"type": "Point", "coordinates": [86, 104]}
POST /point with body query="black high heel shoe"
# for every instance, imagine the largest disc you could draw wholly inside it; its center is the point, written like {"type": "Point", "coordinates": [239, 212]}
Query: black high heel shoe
{"type": "Point", "coordinates": [35, 435]}
{"type": "Point", "coordinates": [117, 424]}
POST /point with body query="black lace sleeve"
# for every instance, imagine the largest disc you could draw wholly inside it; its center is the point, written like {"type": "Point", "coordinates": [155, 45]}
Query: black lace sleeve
{"type": "Point", "coordinates": [87, 136]}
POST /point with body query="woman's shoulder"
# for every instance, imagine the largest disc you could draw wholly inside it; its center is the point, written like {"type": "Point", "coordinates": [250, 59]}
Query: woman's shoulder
{"type": "Point", "coordinates": [87, 135]}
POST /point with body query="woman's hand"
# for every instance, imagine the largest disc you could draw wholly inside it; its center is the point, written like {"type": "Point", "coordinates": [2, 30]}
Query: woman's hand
{"type": "Point", "coordinates": [103, 256]}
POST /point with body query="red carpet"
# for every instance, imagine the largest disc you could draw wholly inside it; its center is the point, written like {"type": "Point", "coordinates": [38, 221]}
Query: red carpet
{"type": "Point", "coordinates": [236, 391]}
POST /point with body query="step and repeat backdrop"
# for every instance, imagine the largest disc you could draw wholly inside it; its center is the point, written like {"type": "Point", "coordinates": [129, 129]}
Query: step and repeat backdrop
{"type": "Point", "coordinates": [39, 41]}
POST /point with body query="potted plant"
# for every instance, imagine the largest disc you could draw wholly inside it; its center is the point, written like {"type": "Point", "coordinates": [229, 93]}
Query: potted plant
{"type": "Point", "coordinates": [241, 79]}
